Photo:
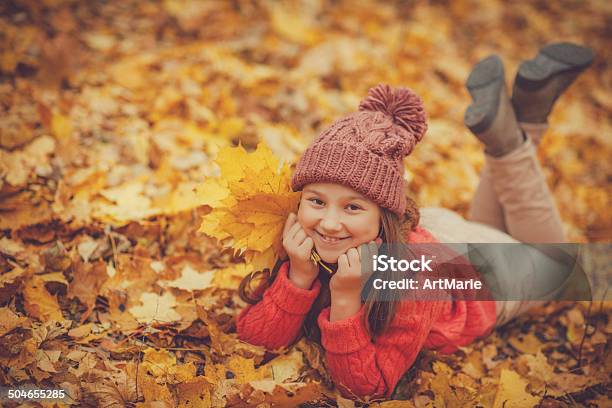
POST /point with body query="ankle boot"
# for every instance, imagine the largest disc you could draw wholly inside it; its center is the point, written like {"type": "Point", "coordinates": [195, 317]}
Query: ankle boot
{"type": "Point", "coordinates": [541, 80]}
{"type": "Point", "coordinates": [491, 117]}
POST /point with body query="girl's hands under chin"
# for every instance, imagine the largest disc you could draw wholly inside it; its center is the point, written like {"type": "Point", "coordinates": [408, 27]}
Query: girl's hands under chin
{"type": "Point", "coordinates": [346, 282]}
{"type": "Point", "coordinates": [298, 245]}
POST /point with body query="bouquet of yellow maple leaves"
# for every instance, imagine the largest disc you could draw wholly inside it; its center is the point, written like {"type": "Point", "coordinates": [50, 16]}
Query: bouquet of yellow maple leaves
{"type": "Point", "coordinates": [250, 201]}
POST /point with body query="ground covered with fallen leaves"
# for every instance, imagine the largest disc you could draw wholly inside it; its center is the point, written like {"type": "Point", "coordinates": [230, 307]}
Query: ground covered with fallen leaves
{"type": "Point", "coordinates": [112, 116]}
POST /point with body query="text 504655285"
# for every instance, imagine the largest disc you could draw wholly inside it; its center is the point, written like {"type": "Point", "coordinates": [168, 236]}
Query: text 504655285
{"type": "Point", "coordinates": [25, 393]}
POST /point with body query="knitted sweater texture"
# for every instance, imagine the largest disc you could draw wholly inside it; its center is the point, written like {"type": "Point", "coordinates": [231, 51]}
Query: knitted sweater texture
{"type": "Point", "coordinates": [359, 366]}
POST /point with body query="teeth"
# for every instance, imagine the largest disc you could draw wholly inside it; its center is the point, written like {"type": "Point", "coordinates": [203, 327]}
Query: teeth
{"type": "Point", "coordinates": [329, 239]}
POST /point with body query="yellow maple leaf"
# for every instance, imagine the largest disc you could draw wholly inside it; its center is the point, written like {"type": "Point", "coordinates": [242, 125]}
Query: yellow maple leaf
{"type": "Point", "coordinates": [155, 307]}
{"type": "Point", "coordinates": [61, 126]}
{"type": "Point", "coordinates": [245, 371]}
{"type": "Point", "coordinates": [191, 279]}
{"type": "Point", "coordinates": [287, 367]}
{"type": "Point", "coordinates": [511, 391]}
{"type": "Point", "coordinates": [293, 25]}
{"type": "Point", "coordinates": [211, 192]}
{"type": "Point", "coordinates": [259, 199]}
{"type": "Point", "coordinates": [230, 277]}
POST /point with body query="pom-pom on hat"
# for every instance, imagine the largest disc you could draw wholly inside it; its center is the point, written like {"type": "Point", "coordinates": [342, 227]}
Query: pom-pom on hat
{"type": "Point", "coordinates": [365, 150]}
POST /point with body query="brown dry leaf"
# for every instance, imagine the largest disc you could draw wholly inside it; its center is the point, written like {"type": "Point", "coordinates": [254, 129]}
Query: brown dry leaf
{"type": "Point", "coordinates": [155, 394]}
{"type": "Point", "coordinates": [57, 277]}
{"type": "Point", "coordinates": [39, 303]}
{"type": "Point", "coordinates": [56, 257]}
{"type": "Point", "coordinates": [488, 354]}
{"type": "Point", "coordinates": [45, 360]}
{"type": "Point", "coordinates": [488, 392]}
{"type": "Point", "coordinates": [162, 365]}
{"type": "Point", "coordinates": [195, 393]}
{"type": "Point", "coordinates": [282, 395]}
{"type": "Point", "coordinates": [450, 392]}
{"type": "Point", "coordinates": [527, 343]}
{"type": "Point", "coordinates": [545, 380]}
{"type": "Point", "coordinates": [10, 320]}
{"type": "Point", "coordinates": [10, 282]}
{"type": "Point", "coordinates": [10, 246]}
{"type": "Point", "coordinates": [81, 331]}
{"type": "Point", "coordinates": [49, 330]}
{"type": "Point", "coordinates": [19, 352]}
{"type": "Point", "coordinates": [474, 366]}
{"type": "Point", "coordinates": [394, 404]}
{"type": "Point", "coordinates": [225, 344]}
{"type": "Point", "coordinates": [25, 209]}
{"type": "Point", "coordinates": [118, 315]}
{"type": "Point", "coordinates": [112, 389]}
{"type": "Point", "coordinates": [87, 282]}
{"type": "Point", "coordinates": [575, 326]}
{"type": "Point", "coordinates": [60, 58]}
{"type": "Point", "coordinates": [21, 165]}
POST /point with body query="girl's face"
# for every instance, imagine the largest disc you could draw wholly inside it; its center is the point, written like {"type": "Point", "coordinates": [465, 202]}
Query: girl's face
{"type": "Point", "coordinates": [337, 218]}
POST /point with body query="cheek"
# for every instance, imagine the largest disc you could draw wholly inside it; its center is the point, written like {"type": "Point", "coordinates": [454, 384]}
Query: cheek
{"type": "Point", "coordinates": [306, 218]}
{"type": "Point", "coordinates": [365, 231]}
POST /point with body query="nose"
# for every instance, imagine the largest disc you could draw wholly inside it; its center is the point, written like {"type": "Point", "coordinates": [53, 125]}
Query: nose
{"type": "Point", "coordinates": [331, 221]}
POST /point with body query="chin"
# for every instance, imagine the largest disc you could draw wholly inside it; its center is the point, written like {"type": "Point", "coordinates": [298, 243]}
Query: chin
{"type": "Point", "coordinates": [330, 257]}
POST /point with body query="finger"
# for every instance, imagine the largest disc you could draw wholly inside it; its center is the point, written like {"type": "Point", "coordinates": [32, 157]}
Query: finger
{"type": "Point", "coordinates": [307, 245]}
{"type": "Point", "coordinates": [343, 263]}
{"type": "Point", "coordinates": [373, 248]}
{"type": "Point", "coordinates": [378, 242]}
{"type": "Point", "coordinates": [300, 236]}
{"type": "Point", "coordinates": [294, 230]}
{"type": "Point", "coordinates": [304, 251]}
{"type": "Point", "coordinates": [353, 257]}
{"type": "Point", "coordinates": [370, 251]}
{"type": "Point", "coordinates": [288, 224]}
{"type": "Point", "coordinates": [365, 252]}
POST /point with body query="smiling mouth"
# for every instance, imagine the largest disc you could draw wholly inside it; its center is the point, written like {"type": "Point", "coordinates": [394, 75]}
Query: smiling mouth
{"type": "Point", "coordinates": [328, 239]}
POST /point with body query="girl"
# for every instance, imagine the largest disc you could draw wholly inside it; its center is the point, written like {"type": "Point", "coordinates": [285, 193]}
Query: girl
{"type": "Point", "coordinates": [353, 193]}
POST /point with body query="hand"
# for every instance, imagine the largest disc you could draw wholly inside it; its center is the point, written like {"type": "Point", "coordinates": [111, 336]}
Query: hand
{"type": "Point", "coordinates": [298, 246]}
{"type": "Point", "coordinates": [348, 279]}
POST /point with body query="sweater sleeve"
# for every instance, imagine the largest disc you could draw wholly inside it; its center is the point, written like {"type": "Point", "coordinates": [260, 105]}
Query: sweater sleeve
{"type": "Point", "coordinates": [276, 320]}
{"type": "Point", "coordinates": [362, 367]}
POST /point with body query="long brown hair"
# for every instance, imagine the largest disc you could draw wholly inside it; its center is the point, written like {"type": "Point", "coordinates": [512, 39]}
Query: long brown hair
{"type": "Point", "coordinates": [378, 313]}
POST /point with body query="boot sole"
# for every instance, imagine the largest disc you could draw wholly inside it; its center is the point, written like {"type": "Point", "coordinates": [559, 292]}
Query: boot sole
{"type": "Point", "coordinates": [552, 60]}
{"type": "Point", "coordinates": [485, 85]}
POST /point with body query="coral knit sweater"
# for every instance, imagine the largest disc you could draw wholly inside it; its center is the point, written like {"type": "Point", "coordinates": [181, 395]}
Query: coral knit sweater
{"type": "Point", "coordinates": [359, 366]}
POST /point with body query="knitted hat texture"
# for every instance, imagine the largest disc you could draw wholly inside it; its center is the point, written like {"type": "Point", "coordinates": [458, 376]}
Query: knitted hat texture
{"type": "Point", "coordinates": [365, 150]}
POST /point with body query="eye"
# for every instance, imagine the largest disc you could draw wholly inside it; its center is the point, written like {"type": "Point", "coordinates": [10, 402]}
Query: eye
{"type": "Point", "coordinates": [316, 201]}
{"type": "Point", "coordinates": [354, 207]}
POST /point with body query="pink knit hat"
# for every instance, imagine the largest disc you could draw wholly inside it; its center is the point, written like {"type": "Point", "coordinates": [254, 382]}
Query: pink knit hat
{"type": "Point", "coordinates": [365, 150]}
